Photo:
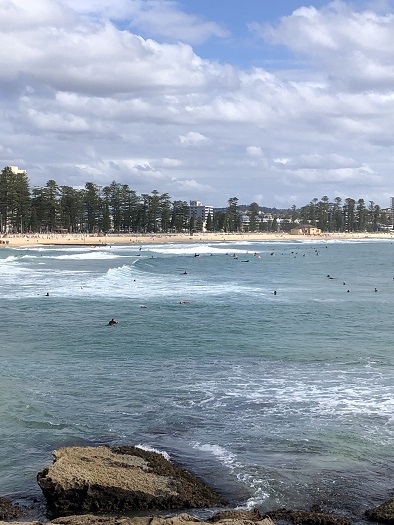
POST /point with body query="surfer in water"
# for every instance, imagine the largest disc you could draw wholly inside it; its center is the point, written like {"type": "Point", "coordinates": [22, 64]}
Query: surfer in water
{"type": "Point", "coordinates": [112, 322]}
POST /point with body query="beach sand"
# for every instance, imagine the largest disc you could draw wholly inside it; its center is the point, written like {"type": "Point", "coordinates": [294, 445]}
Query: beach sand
{"type": "Point", "coordinates": [95, 240]}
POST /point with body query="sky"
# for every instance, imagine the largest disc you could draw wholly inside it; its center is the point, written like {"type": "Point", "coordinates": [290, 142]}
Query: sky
{"type": "Point", "coordinates": [275, 102]}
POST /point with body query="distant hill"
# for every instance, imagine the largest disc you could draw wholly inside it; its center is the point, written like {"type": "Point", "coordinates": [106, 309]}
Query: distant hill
{"type": "Point", "coordinates": [263, 209]}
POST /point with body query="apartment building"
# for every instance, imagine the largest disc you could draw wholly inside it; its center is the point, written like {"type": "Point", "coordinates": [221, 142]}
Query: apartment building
{"type": "Point", "coordinates": [199, 212]}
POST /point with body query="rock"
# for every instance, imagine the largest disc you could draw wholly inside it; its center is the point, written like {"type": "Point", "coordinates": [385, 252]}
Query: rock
{"type": "Point", "coordinates": [248, 515]}
{"type": "Point", "coordinates": [384, 513]}
{"type": "Point", "coordinates": [21, 523]}
{"type": "Point", "coordinates": [181, 519]}
{"type": "Point", "coordinates": [240, 517]}
{"type": "Point", "coordinates": [115, 479]}
{"type": "Point", "coordinates": [89, 519]}
{"type": "Point", "coordinates": [8, 511]}
{"type": "Point", "coordinates": [304, 517]}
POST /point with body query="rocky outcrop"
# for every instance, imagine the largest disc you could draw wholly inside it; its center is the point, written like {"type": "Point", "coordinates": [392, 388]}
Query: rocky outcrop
{"type": "Point", "coordinates": [8, 511]}
{"type": "Point", "coordinates": [384, 513]}
{"type": "Point", "coordinates": [181, 519]}
{"type": "Point", "coordinates": [238, 518]}
{"type": "Point", "coordinates": [116, 479]}
{"type": "Point", "coordinates": [304, 517]}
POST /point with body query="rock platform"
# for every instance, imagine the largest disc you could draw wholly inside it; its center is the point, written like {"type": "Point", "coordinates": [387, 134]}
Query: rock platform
{"type": "Point", "coordinates": [122, 486]}
{"type": "Point", "coordinates": [105, 479]}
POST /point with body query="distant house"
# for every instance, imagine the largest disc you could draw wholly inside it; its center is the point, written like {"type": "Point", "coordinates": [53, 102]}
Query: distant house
{"type": "Point", "coordinates": [305, 229]}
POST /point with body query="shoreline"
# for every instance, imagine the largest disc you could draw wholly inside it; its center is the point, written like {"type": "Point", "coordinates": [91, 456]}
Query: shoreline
{"type": "Point", "coordinates": [19, 240]}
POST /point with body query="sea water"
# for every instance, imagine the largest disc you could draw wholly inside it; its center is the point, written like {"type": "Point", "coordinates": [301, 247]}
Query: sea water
{"type": "Point", "coordinates": [279, 400]}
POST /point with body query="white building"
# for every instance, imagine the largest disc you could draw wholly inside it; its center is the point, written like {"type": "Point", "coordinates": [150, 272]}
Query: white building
{"type": "Point", "coordinates": [200, 214]}
{"type": "Point", "coordinates": [392, 210]}
{"type": "Point", "coordinates": [17, 171]}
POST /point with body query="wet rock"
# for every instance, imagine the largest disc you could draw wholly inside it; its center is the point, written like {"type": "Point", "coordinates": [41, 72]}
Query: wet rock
{"type": "Point", "coordinates": [384, 513]}
{"type": "Point", "coordinates": [304, 517]}
{"type": "Point", "coordinates": [8, 511]}
{"type": "Point", "coordinates": [86, 480]}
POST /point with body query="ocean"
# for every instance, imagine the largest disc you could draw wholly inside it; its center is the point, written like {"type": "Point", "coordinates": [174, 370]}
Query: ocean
{"type": "Point", "coordinates": [276, 400]}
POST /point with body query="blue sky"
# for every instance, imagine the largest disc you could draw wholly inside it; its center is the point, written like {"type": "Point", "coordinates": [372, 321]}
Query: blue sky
{"type": "Point", "coordinates": [241, 46]}
{"type": "Point", "coordinates": [273, 102]}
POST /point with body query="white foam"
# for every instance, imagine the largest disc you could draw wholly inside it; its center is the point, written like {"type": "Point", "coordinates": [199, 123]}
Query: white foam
{"type": "Point", "coordinates": [192, 249]}
{"type": "Point", "coordinates": [226, 457]}
{"type": "Point", "coordinates": [132, 281]}
{"type": "Point", "coordinates": [43, 248]}
{"type": "Point", "coordinates": [230, 460]}
{"type": "Point", "coordinates": [13, 258]}
{"type": "Point", "coordinates": [258, 497]}
{"type": "Point", "coordinates": [93, 255]}
{"type": "Point", "coordinates": [151, 449]}
{"type": "Point", "coordinates": [336, 395]}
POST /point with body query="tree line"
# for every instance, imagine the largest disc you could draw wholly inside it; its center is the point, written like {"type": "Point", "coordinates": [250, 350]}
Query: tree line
{"type": "Point", "coordinates": [118, 208]}
{"type": "Point", "coordinates": [338, 216]}
{"type": "Point", "coordinates": [91, 209]}
{"type": "Point", "coordinates": [348, 215]}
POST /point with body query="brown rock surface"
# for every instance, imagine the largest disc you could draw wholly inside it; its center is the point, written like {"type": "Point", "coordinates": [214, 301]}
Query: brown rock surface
{"type": "Point", "coordinates": [238, 518]}
{"type": "Point", "coordinates": [22, 523]}
{"type": "Point", "coordinates": [384, 513]}
{"type": "Point", "coordinates": [304, 517]}
{"type": "Point", "coordinates": [116, 479]}
{"type": "Point", "coordinates": [233, 514]}
{"type": "Point", "coordinates": [8, 511]}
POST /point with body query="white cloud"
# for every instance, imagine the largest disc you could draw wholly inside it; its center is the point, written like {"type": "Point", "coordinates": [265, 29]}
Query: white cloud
{"type": "Point", "coordinates": [353, 46]}
{"type": "Point", "coordinates": [172, 163]}
{"type": "Point", "coordinates": [159, 18]}
{"type": "Point", "coordinates": [19, 15]}
{"type": "Point", "coordinates": [55, 122]}
{"type": "Point", "coordinates": [191, 185]}
{"type": "Point", "coordinates": [165, 20]}
{"type": "Point", "coordinates": [317, 161]}
{"type": "Point", "coordinates": [281, 161]}
{"type": "Point", "coordinates": [84, 93]}
{"type": "Point", "coordinates": [193, 138]}
{"type": "Point", "coordinates": [254, 151]}
{"type": "Point", "coordinates": [96, 58]}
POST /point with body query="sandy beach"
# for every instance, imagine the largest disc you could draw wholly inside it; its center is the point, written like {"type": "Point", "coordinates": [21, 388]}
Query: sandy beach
{"type": "Point", "coordinates": [97, 240]}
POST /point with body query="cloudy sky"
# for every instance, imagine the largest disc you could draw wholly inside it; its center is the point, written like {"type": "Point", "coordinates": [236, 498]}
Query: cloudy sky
{"type": "Point", "coordinates": [276, 102]}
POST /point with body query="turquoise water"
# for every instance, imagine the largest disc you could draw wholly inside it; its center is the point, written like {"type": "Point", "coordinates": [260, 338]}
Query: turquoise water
{"type": "Point", "coordinates": [275, 400]}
